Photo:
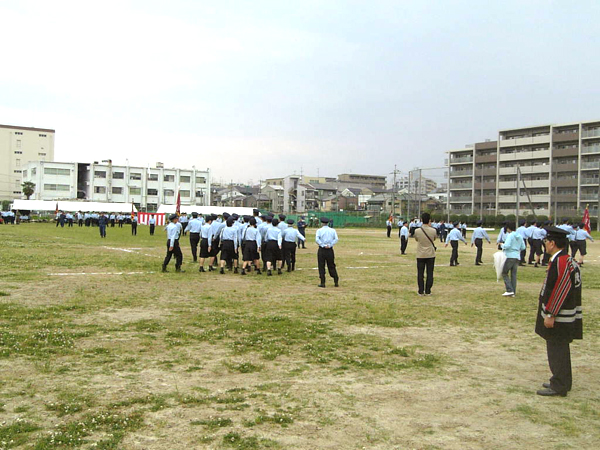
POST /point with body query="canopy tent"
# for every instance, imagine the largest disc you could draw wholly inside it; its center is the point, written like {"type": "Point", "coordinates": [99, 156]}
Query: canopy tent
{"type": "Point", "coordinates": [44, 205]}
{"type": "Point", "coordinates": [188, 209]}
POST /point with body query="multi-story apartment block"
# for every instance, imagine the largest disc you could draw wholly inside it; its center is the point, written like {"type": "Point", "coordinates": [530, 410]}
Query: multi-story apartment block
{"type": "Point", "coordinates": [19, 146]}
{"type": "Point", "coordinates": [557, 166]}
{"type": "Point", "coordinates": [427, 185]}
{"type": "Point", "coordinates": [105, 182]}
{"type": "Point", "coordinates": [377, 181]}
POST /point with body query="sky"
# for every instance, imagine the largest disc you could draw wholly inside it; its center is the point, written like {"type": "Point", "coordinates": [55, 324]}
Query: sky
{"type": "Point", "coordinates": [262, 89]}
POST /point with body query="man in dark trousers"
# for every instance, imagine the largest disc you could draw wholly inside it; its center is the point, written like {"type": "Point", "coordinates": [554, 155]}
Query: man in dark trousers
{"type": "Point", "coordinates": [302, 231]}
{"type": "Point", "coordinates": [134, 225]}
{"type": "Point", "coordinates": [559, 314]}
{"type": "Point", "coordinates": [173, 231]}
{"type": "Point", "coordinates": [102, 224]}
{"type": "Point", "coordinates": [326, 238]}
{"type": "Point", "coordinates": [425, 254]}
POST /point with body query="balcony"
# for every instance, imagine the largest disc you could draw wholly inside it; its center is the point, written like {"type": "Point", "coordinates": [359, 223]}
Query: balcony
{"type": "Point", "coordinates": [564, 198]}
{"type": "Point", "coordinates": [461, 160]}
{"type": "Point", "coordinates": [563, 137]}
{"type": "Point", "coordinates": [461, 173]}
{"type": "Point", "coordinates": [486, 185]}
{"type": "Point", "coordinates": [591, 197]}
{"type": "Point", "coordinates": [461, 186]}
{"type": "Point", "coordinates": [525, 141]}
{"type": "Point", "coordinates": [485, 199]}
{"type": "Point", "coordinates": [538, 154]}
{"type": "Point", "coordinates": [528, 183]}
{"type": "Point", "coordinates": [542, 198]}
{"type": "Point", "coordinates": [593, 132]}
{"type": "Point", "coordinates": [562, 152]}
{"type": "Point", "coordinates": [486, 172]}
{"type": "Point", "coordinates": [463, 199]}
{"type": "Point", "coordinates": [587, 165]}
{"type": "Point", "coordinates": [565, 182]}
{"type": "Point", "coordinates": [571, 167]}
{"type": "Point", "coordinates": [480, 159]}
{"type": "Point", "coordinates": [586, 149]}
{"type": "Point", "coordinates": [592, 181]}
{"type": "Point", "coordinates": [524, 169]}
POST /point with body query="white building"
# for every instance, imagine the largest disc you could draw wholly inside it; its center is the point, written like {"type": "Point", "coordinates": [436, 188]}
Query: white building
{"type": "Point", "coordinates": [104, 182]}
{"type": "Point", "coordinates": [19, 146]}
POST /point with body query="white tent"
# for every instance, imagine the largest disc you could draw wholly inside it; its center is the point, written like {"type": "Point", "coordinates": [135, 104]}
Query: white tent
{"type": "Point", "coordinates": [188, 209]}
{"type": "Point", "coordinates": [44, 205]}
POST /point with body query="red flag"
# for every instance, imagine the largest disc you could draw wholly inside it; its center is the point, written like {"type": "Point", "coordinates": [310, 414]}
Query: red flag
{"type": "Point", "coordinates": [56, 212]}
{"type": "Point", "coordinates": [178, 205]}
{"type": "Point", "coordinates": [586, 220]}
{"type": "Point", "coordinates": [132, 211]}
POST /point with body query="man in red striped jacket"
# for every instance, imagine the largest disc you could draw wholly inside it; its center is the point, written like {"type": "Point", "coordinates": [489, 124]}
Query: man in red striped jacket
{"type": "Point", "coordinates": [559, 318]}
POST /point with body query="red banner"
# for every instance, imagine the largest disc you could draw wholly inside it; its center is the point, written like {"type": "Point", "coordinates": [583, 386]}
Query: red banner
{"type": "Point", "coordinates": [144, 217]}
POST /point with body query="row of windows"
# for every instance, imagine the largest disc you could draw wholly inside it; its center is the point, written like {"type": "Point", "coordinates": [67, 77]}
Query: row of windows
{"type": "Point", "coordinates": [151, 177]}
{"type": "Point", "coordinates": [138, 191]}
{"type": "Point", "coordinates": [57, 187]}
{"type": "Point", "coordinates": [17, 152]}
{"type": "Point", "coordinates": [56, 171]}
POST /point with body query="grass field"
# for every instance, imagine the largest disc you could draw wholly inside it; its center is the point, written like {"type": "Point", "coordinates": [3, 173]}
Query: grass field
{"type": "Point", "coordinates": [98, 349]}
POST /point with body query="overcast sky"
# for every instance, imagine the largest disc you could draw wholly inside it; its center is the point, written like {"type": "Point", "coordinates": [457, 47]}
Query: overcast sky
{"type": "Point", "coordinates": [257, 89]}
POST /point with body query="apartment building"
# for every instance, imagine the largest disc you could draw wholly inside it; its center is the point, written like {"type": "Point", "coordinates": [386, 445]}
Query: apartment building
{"type": "Point", "coordinates": [557, 166]}
{"type": "Point", "coordinates": [377, 181]}
{"type": "Point", "coordinates": [427, 185]}
{"type": "Point", "coordinates": [146, 187]}
{"type": "Point", "coordinates": [19, 146]}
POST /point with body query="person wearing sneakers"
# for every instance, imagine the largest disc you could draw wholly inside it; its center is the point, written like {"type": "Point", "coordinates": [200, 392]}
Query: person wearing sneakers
{"type": "Point", "coordinates": [512, 248]}
{"type": "Point", "coordinates": [425, 254]}
{"type": "Point", "coordinates": [559, 312]}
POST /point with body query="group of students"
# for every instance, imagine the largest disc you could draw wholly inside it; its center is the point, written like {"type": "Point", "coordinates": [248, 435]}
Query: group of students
{"type": "Point", "coordinates": [8, 217]}
{"type": "Point", "coordinates": [92, 219]}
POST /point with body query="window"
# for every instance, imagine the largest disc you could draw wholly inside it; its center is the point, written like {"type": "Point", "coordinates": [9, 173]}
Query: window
{"type": "Point", "coordinates": [201, 180]}
{"type": "Point", "coordinates": [152, 191]}
{"type": "Point", "coordinates": [117, 190]}
{"type": "Point", "coordinates": [185, 178]}
{"type": "Point", "coordinates": [18, 143]}
{"type": "Point", "coordinates": [99, 174]}
{"type": "Point", "coordinates": [18, 162]}
{"type": "Point", "coordinates": [99, 189]}
{"type": "Point", "coordinates": [199, 193]}
{"type": "Point", "coordinates": [42, 135]}
{"type": "Point", "coordinates": [55, 171]}
{"type": "Point", "coordinates": [41, 154]}
{"type": "Point", "coordinates": [24, 174]}
{"type": "Point", "coordinates": [118, 175]}
{"type": "Point", "coordinates": [19, 133]}
{"type": "Point", "coordinates": [168, 193]}
{"type": "Point", "coordinates": [135, 191]}
{"type": "Point", "coordinates": [152, 177]}
{"type": "Point", "coordinates": [151, 206]}
{"type": "Point", "coordinates": [56, 187]}
{"type": "Point", "coordinates": [135, 176]}
{"type": "Point", "coordinates": [169, 178]}
{"type": "Point", "coordinates": [17, 171]}
{"type": "Point", "coordinates": [33, 171]}
{"type": "Point", "coordinates": [184, 193]}
{"type": "Point", "coordinates": [18, 152]}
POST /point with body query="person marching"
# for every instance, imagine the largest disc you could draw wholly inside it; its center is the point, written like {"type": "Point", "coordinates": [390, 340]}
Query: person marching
{"type": "Point", "coordinates": [173, 233]}
{"type": "Point", "coordinates": [463, 229]}
{"type": "Point", "coordinates": [522, 231]}
{"type": "Point", "coordinates": [290, 237]}
{"type": "Point", "coordinates": [512, 248]}
{"type": "Point", "coordinates": [273, 248]}
{"type": "Point", "coordinates": [134, 225]}
{"type": "Point", "coordinates": [479, 234]}
{"type": "Point", "coordinates": [537, 236]}
{"type": "Point", "coordinates": [215, 240]}
{"type": "Point", "coordinates": [252, 244]}
{"type": "Point", "coordinates": [388, 226]}
{"type": "Point", "coordinates": [580, 237]}
{"type": "Point", "coordinates": [302, 231]}
{"type": "Point", "coordinates": [501, 236]}
{"type": "Point", "coordinates": [326, 238]}
{"type": "Point", "coordinates": [120, 219]}
{"type": "Point", "coordinates": [205, 237]}
{"type": "Point", "coordinates": [453, 237]}
{"type": "Point", "coordinates": [425, 254]}
{"type": "Point", "coordinates": [262, 229]}
{"type": "Point", "coordinates": [559, 313]}
{"type": "Point", "coordinates": [403, 238]}
{"type": "Point", "coordinates": [194, 227]}
{"type": "Point", "coordinates": [532, 227]}
{"type": "Point", "coordinates": [79, 219]}
{"type": "Point", "coordinates": [112, 218]}
{"type": "Point", "coordinates": [229, 244]}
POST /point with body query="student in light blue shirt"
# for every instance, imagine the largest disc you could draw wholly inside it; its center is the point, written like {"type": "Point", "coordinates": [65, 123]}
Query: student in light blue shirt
{"type": "Point", "coordinates": [273, 248]}
{"type": "Point", "coordinates": [580, 237]}
{"type": "Point", "coordinates": [453, 237]}
{"type": "Point", "coordinates": [251, 241]}
{"type": "Point", "coordinates": [290, 236]}
{"type": "Point", "coordinates": [538, 234]}
{"type": "Point", "coordinates": [479, 234]}
{"type": "Point", "coordinates": [173, 233]}
{"type": "Point", "coordinates": [403, 238]}
{"type": "Point", "coordinates": [512, 248]}
{"type": "Point", "coordinates": [194, 227]}
{"type": "Point", "coordinates": [326, 238]}
{"type": "Point", "coordinates": [229, 244]}
{"type": "Point", "coordinates": [522, 231]}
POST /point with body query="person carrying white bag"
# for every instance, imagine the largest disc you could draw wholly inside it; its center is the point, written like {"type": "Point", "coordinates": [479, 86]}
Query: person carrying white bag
{"type": "Point", "coordinates": [511, 249]}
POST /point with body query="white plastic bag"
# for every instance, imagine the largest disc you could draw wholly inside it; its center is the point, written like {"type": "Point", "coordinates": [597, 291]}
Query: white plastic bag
{"type": "Point", "coordinates": [499, 260]}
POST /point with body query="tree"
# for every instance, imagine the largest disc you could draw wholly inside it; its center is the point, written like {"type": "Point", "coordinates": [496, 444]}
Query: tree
{"type": "Point", "coordinates": [28, 188]}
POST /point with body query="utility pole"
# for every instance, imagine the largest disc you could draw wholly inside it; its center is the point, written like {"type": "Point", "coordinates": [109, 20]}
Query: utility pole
{"type": "Point", "coordinates": [419, 193]}
{"type": "Point", "coordinates": [518, 193]}
{"type": "Point", "coordinates": [481, 166]}
{"type": "Point", "coordinates": [394, 190]}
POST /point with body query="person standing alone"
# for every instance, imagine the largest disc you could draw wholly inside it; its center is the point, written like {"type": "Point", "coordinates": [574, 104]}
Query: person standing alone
{"type": "Point", "coordinates": [326, 238]}
{"type": "Point", "coordinates": [512, 248]}
{"type": "Point", "coordinates": [425, 236]}
{"type": "Point", "coordinates": [404, 238]}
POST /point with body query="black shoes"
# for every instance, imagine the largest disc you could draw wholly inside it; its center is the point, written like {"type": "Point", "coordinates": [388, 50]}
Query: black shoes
{"type": "Point", "coordinates": [258, 272]}
{"type": "Point", "coordinates": [322, 285]}
{"type": "Point", "coordinates": [269, 273]}
{"type": "Point", "coordinates": [549, 392]}
{"type": "Point", "coordinates": [201, 269]}
{"type": "Point", "coordinates": [278, 271]}
{"type": "Point", "coordinates": [164, 270]}
{"type": "Point", "coordinates": [222, 271]}
{"type": "Point", "coordinates": [235, 270]}
{"type": "Point", "coordinates": [178, 270]}
{"type": "Point", "coordinates": [211, 268]}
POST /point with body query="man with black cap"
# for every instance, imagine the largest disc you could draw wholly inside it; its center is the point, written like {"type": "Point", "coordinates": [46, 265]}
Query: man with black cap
{"type": "Point", "coordinates": [559, 317]}
{"type": "Point", "coordinates": [479, 234]}
{"type": "Point", "coordinates": [290, 236]}
{"type": "Point", "coordinates": [453, 237]}
{"type": "Point", "coordinates": [173, 232]}
{"type": "Point", "coordinates": [326, 238]}
{"type": "Point", "coordinates": [194, 227]}
{"type": "Point", "coordinates": [302, 231]}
